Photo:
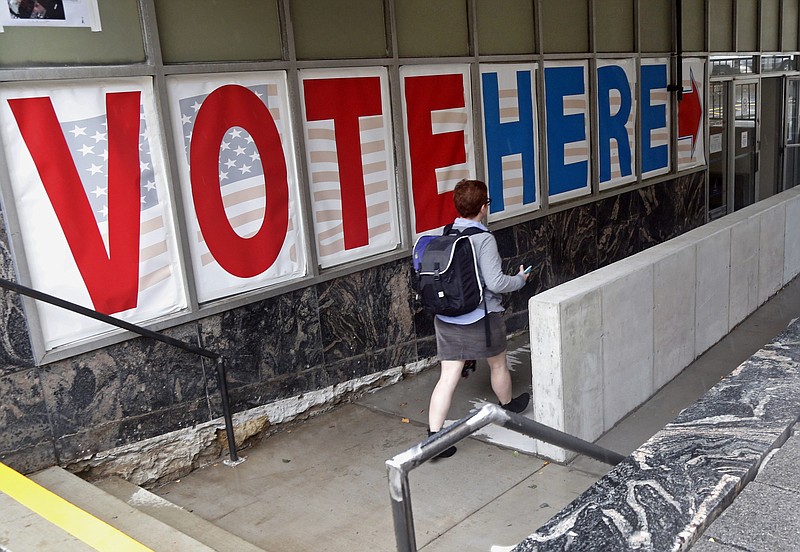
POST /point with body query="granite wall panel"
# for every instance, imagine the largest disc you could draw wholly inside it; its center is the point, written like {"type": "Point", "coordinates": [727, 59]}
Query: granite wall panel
{"type": "Point", "coordinates": [15, 343]}
{"type": "Point", "coordinates": [267, 339]}
{"type": "Point", "coordinates": [366, 311]}
{"type": "Point", "coordinates": [619, 226]}
{"type": "Point", "coordinates": [23, 415]}
{"type": "Point", "coordinates": [572, 243]}
{"type": "Point", "coordinates": [307, 339]}
{"type": "Point", "coordinates": [127, 379]}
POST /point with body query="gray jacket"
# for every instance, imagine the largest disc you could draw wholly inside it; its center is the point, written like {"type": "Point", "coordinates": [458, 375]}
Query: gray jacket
{"type": "Point", "coordinates": [490, 266]}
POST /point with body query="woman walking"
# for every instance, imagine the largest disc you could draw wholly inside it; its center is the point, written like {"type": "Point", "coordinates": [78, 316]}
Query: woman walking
{"type": "Point", "coordinates": [464, 337]}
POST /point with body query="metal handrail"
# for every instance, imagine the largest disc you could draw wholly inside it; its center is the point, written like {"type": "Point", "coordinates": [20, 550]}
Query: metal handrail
{"type": "Point", "coordinates": [219, 360]}
{"type": "Point", "coordinates": [400, 466]}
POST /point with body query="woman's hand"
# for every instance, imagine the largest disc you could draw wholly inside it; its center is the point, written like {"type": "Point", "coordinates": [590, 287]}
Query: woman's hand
{"type": "Point", "coordinates": [525, 275]}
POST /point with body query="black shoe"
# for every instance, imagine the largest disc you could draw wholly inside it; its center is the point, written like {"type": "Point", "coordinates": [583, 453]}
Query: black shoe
{"type": "Point", "coordinates": [469, 366]}
{"type": "Point", "coordinates": [518, 404]}
{"type": "Point", "coordinates": [447, 452]}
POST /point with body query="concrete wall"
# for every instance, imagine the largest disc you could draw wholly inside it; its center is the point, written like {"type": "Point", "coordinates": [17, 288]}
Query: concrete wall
{"type": "Point", "coordinates": [604, 343]}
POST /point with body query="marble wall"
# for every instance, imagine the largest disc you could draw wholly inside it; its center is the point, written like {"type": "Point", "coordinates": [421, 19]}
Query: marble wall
{"type": "Point", "coordinates": [668, 491]}
{"type": "Point", "coordinates": [307, 339]}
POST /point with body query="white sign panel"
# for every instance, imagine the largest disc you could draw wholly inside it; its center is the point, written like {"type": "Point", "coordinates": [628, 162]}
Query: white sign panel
{"type": "Point", "coordinates": [90, 188]}
{"type": "Point", "coordinates": [238, 180]}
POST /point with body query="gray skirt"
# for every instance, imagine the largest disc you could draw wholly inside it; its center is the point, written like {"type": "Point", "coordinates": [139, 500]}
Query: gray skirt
{"type": "Point", "coordinates": [465, 342]}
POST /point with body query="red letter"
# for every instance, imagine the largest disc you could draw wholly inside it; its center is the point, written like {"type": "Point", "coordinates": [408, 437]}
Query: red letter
{"type": "Point", "coordinates": [345, 100]}
{"type": "Point", "coordinates": [430, 151]}
{"type": "Point", "coordinates": [112, 279]}
{"type": "Point", "coordinates": [226, 107]}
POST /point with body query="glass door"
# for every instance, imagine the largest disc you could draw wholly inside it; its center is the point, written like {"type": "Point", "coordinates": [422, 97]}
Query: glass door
{"type": "Point", "coordinates": [791, 173]}
{"type": "Point", "coordinates": [771, 145]}
{"type": "Point", "coordinates": [745, 143]}
{"type": "Point", "coordinates": [718, 149]}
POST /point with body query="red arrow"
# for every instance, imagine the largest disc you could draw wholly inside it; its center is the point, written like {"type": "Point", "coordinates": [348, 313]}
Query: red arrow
{"type": "Point", "coordinates": [690, 113]}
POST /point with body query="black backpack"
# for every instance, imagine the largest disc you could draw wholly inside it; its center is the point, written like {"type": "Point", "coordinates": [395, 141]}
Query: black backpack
{"type": "Point", "coordinates": [448, 280]}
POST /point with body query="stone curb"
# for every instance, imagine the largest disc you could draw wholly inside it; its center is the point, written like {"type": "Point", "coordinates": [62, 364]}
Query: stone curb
{"type": "Point", "coordinates": [668, 491]}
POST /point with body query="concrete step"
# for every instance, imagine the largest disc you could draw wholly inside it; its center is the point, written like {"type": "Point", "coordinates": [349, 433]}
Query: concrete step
{"type": "Point", "coordinates": [22, 530]}
{"type": "Point", "coordinates": [147, 530]}
{"type": "Point", "coordinates": [175, 516]}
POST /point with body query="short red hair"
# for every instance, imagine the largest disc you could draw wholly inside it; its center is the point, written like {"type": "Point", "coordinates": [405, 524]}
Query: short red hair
{"type": "Point", "coordinates": [469, 197]}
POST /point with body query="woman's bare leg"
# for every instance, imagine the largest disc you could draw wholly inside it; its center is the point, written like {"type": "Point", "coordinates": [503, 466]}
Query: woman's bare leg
{"type": "Point", "coordinates": [442, 394]}
{"type": "Point", "coordinates": [500, 377]}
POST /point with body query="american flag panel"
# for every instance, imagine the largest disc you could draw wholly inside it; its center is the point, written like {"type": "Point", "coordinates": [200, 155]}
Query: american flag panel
{"type": "Point", "coordinates": [455, 120]}
{"type": "Point", "coordinates": [241, 180]}
{"type": "Point", "coordinates": [615, 100]}
{"type": "Point", "coordinates": [377, 165]}
{"type": "Point", "coordinates": [508, 97]}
{"type": "Point", "coordinates": [80, 108]}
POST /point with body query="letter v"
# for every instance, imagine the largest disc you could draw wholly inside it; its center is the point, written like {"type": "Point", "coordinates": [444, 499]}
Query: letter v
{"type": "Point", "coordinates": [111, 278]}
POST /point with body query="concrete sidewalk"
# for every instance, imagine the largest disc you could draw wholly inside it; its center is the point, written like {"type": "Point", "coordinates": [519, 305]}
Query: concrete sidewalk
{"type": "Point", "coordinates": [323, 482]}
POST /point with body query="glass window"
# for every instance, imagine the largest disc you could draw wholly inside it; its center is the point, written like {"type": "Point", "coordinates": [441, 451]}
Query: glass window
{"type": "Point", "coordinates": [656, 26]}
{"type": "Point", "coordinates": [733, 65]}
{"type": "Point", "coordinates": [426, 29]}
{"type": "Point", "coordinates": [744, 162]}
{"type": "Point", "coordinates": [120, 41]}
{"type": "Point", "coordinates": [206, 31]}
{"type": "Point", "coordinates": [560, 37]}
{"type": "Point", "coordinates": [718, 149]}
{"type": "Point", "coordinates": [791, 175]}
{"type": "Point", "coordinates": [505, 27]}
{"type": "Point", "coordinates": [341, 29]}
{"type": "Point", "coordinates": [747, 25]}
{"type": "Point", "coordinates": [614, 25]}
{"type": "Point", "coordinates": [721, 16]}
{"type": "Point", "coordinates": [693, 13]}
{"type": "Point", "coordinates": [773, 64]}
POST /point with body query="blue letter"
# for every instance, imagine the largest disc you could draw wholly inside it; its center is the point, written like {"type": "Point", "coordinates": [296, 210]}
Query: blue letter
{"type": "Point", "coordinates": [564, 129]}
{"type": "Point", "coordinates": [653, 117]}
{"type": "Point", "coordinates": [509, 138]}
{"type": "Point", "coordinates": [612, 127]}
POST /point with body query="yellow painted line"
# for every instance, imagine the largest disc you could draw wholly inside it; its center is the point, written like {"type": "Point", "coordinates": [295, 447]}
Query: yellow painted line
{"type": "Point", "coordinates": [78, 523]}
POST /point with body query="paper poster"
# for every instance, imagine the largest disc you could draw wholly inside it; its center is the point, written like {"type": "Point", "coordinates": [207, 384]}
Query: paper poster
{"type": "Point", "coordinates": [510, 134]}
{"type": "Point", "coordinates": [654, 104]}
{"type": "Point", "coordinates": [715, 143]}
{"type": "Point", "coordinates": [437, 112]}
{"type": "Point", "coordinates": [238, 180]}
{"type": "Point", "coordinates": [566, 93]}
{"type": "Point", "coordinates": [350, 158]}
{"type": "Point", "coordinates": [691, 111]}
{"type": "Point", "coordinates": [49, 13]}
{"type": "Point", "coordinates": [616, 121]}
{"type": "Point", "coordinates": [90, 190]}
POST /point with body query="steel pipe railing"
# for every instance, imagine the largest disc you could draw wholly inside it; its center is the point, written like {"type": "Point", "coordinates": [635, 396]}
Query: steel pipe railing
{"type": "Point", "coordinates": [401, 465]}
{"type": "Point", "coordinates": [219, 360]}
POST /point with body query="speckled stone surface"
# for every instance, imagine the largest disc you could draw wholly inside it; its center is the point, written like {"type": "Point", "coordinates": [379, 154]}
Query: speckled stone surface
{"type": "Point", "coordinates": [665, 494]}
{"type": "Point", "coordinates": [763, 518]}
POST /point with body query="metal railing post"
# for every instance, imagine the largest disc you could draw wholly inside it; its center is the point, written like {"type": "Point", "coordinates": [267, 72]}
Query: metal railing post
{"type": "Point", "coordinates": [399, 467]}
{"type": "Point", "coordinates": [401, 509]}
{"type": "Point", "coordinates": [216, 357]}
{"type": "Point", "coordinates": [222, 381]}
